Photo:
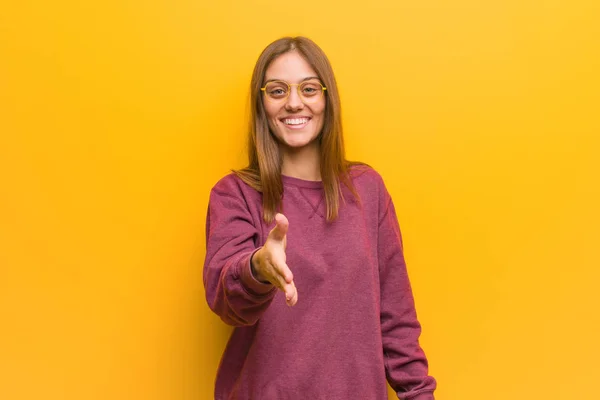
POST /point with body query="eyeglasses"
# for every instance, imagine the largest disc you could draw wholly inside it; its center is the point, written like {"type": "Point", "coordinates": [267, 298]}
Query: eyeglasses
{"type": "Point", "coordinates": [279, 91]}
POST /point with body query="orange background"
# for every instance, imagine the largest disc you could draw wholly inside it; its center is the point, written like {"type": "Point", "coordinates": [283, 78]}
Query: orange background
{"type": "Point", "coordinates": [117, 117]}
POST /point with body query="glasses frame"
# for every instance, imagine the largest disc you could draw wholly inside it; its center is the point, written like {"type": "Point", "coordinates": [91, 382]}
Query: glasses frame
{"type": "Point", "coordinates": [289, 85]}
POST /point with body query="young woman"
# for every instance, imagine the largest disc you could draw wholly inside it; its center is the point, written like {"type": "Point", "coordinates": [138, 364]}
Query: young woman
{"type": "Point", "coordinates": [304, 253]}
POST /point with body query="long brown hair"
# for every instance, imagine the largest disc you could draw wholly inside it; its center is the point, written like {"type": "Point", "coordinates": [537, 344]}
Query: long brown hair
{"type": "Point", "coordinates": [263, 172]}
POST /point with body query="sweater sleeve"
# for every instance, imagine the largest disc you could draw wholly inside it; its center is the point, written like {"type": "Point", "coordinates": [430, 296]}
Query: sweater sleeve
{"type": "Point", "coordinates": [232, 292]}
{"type": "Point", "coordinates": [405, 362]}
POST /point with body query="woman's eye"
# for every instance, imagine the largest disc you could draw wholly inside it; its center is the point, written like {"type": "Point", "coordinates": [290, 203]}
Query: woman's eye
{"type": "Point", "coordinates": [310, 89]}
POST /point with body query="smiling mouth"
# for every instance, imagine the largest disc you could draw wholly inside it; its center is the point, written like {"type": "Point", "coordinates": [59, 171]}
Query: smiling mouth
{"type": "Point", "coordinates": [295, 121]}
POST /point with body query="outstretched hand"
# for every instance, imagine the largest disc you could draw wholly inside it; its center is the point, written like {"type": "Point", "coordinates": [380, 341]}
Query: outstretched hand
{"type": "Point", "coordinates": [269, 263]}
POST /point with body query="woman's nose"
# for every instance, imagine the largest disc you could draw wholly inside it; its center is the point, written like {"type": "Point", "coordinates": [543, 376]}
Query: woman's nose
{"type": "Point", "coordinates": [294, 101]}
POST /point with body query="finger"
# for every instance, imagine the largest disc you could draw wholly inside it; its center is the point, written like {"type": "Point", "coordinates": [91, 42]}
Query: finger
{"type": "Point", "coordinates": [285, 272]}
{"type": "Point", "coordinates": [294, 299]}
{"type": "Point", "coordinates": [277, 278]}
{"type": "Point", "coordinates": [290, 292]}
{"type": "Point", "coordinates": [285, 279]}
{"type": "Point", "coordinates": [281, 227]}
{"type": "Point", "coordinates": [287, 288]}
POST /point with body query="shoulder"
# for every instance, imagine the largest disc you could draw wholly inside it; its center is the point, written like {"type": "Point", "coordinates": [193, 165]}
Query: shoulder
{"type": "Point", "coordinates": [366, 178]}
{"type": "Point", "coordinates": [231, 185]}
{"type": "Point", "coordinates": [370, 187]}
{"type": "Point", "coordinates": [228, 181]}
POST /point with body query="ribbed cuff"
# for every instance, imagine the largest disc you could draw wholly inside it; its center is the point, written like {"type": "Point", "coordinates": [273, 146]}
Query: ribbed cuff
{"type": "Point", "coordinates": [252, 284]}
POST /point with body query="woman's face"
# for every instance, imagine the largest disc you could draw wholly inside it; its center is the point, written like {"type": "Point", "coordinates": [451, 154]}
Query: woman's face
{"type": "Point", "coordinates": [295, 121]}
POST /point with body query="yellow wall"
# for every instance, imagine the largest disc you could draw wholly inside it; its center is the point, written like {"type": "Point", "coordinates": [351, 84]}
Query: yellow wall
{"type": "Point", "coordinates": [116, 118]}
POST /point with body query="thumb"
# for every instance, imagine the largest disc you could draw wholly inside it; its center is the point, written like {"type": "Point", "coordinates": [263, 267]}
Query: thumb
{"type": "Point", "coordinates": [281, 227]}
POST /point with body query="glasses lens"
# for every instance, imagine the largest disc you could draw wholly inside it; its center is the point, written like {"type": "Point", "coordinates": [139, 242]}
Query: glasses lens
{"type": "Point", "coordinates": [311, 90]}
{"type": "Point", "coordinates": [276, 90]}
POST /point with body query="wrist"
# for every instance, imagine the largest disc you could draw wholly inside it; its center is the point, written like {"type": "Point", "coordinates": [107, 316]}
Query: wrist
{"type": "Point", "coordinates": [255, 263]}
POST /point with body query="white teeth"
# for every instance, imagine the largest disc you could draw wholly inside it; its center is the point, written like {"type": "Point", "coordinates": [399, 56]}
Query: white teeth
{"type": "Point", "coordinates": [295, 121]}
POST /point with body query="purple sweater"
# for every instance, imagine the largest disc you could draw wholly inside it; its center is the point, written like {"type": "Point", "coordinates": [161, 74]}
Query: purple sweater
{"type": "Point", "coordinates": [354, 325]}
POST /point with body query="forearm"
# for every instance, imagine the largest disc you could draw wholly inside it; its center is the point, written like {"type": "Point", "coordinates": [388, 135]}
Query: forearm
{"type": "Point", "coordinates": [233, 293]}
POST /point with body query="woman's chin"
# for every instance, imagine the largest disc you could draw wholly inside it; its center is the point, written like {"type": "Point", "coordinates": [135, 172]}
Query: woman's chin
{"type": "Point", "coordinates": [297, 142]}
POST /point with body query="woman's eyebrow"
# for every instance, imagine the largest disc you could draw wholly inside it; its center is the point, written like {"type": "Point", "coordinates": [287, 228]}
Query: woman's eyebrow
{"type": "Point", "coordinates": [305, 79]}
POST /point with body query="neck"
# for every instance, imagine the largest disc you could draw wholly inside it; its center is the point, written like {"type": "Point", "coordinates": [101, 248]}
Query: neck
{"type": "Point", "coordinates": [303, 163]}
